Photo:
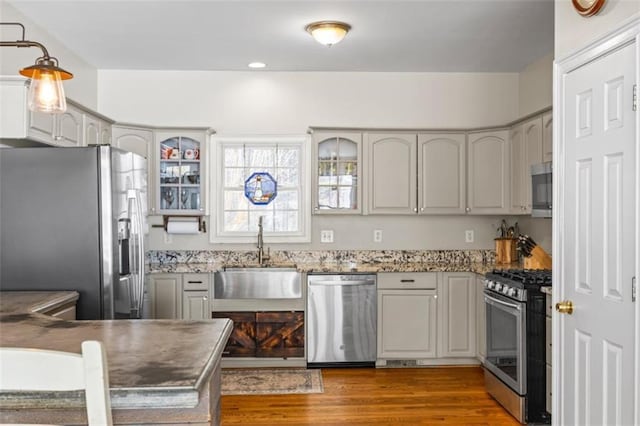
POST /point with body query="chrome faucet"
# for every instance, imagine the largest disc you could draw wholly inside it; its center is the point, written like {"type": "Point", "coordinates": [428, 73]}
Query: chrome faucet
{"type": "Point", "coordinates": [261, 256]}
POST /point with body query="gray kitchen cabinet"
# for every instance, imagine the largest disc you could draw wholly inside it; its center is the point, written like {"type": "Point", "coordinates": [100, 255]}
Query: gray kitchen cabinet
{"type": "Point", "coordinates": [57, 129]}
{"type": "Point", "coordinates": [68, 127]}
{"type": "Point", "coordinates": [337, 172]}
{"type": "Point", "coordinates": [391, 172]}
{"type": "Point", "coordinates": [195, 305]}
{"type": "Point", "coordinates": [180, 296]}
{"type": "Point", "coordinates": [526, 150]}
{"type": "Point", "coordinates": [17, 122]}
{"type": "Point", "coordinates": [457, 315]}
{"type": "Point", "coordinates": [442, 173]}
{"type": "Point", "coordinates": [139, 140]}
{"type": "Point", "coordinates": [516, 137]}
{"type": "Point", "coordinates": [180, 183]}
{"type": "Point", "coordinates": [488, 172]}
{"type": "Point", "coordinates": [97, 130]}
{"type": "Point", "coordinates": [406, 316]}
{"type": "Point", "coordinates": [136, 139]}
{"type": "Point", "coordinates": [481, 319]}
{"type": "Point", "coordinates": [547, 136]}
{"type": "Point", "coordinates": [165, 296]}
{"type": "Point", "coordinates": [77, 126]}
{"type": "Point", "coordinates": [195, 296]}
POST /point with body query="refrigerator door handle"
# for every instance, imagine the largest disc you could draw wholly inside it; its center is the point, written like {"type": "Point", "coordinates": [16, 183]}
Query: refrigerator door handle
{"type": "Point", "coordinates": [140, 254]}
{"type": "Point", "coordinates": [137, 253]}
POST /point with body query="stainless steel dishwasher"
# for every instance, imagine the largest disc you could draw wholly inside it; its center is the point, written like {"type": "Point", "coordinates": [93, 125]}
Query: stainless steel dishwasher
{"type": "Point", "coordinates": [341, 320]}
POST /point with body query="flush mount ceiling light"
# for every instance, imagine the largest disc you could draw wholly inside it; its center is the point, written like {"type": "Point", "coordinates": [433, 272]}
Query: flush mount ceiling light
{"type": "Point", "coordinates": [257, 65]}
{"type": "Point", "coordinates": [328, 32]}
{"type": "Point", "coordinates": [46, 93]}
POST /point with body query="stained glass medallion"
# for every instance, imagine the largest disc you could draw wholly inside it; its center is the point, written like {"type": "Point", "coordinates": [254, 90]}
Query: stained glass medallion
{"type": "Point", "coordinates": [260, 188]}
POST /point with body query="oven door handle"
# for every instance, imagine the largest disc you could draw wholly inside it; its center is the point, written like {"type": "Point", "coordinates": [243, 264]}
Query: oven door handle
{"type": "Point", "coordinates": [493, 301]}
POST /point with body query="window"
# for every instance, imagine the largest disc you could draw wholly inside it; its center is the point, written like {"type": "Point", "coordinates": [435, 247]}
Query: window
{"type": "Point", "coordinates": [287, 217]}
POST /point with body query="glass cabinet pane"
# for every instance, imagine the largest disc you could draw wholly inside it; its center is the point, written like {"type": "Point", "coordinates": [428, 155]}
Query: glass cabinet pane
{"type": "Point", "coordinates": [338, 167]}
{"type": "Point", "coordinates": [180, 174]}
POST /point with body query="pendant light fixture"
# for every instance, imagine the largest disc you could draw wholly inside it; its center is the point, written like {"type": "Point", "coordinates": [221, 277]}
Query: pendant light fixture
{"type": "Point", "coordinates": [328, 32]}
{"type": "Point", "coordinates": [46, 93]}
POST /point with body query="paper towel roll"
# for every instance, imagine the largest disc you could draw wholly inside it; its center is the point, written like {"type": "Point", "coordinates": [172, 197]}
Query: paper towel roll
{"type": "Point", "coordinates": [183, 225]}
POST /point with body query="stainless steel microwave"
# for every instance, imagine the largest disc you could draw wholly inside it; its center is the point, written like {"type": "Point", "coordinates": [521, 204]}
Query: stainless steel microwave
{"type": "Point", "coordinates": [541, 189]}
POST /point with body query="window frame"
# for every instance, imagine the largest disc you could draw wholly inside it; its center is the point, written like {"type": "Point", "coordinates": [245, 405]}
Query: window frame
{"type": "Point", "coordinates": [219, 142]}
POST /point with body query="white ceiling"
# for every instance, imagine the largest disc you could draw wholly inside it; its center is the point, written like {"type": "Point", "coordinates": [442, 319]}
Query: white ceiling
{"type": "Point", "coordinates": [391, 35]}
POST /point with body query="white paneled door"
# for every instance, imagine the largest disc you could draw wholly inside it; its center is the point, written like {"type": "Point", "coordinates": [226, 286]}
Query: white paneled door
{"type": "Point", "coordinates": [597, 242]}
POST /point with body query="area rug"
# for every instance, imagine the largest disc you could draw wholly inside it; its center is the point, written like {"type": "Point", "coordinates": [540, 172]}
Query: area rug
{"type": "Point", "coordinates": [263, 381]}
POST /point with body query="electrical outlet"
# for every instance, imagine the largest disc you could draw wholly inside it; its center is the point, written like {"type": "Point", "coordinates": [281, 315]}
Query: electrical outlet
{"type": "Point", "coordinates": [326, 236]}
{"type": "Point", "coordinates": [377, 235]}
{"type": "Point", "coordinates": [469, 236]}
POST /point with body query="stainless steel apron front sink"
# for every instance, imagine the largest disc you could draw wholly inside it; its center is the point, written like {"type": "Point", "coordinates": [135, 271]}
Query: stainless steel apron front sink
{"type": "Point", "coordinates": [258, 283]}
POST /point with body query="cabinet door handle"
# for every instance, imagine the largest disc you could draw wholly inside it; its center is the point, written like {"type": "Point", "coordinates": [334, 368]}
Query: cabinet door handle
{"type": "Point", "coordinates": [468, 209]}
{"type": "Point", "coordinates": [407, 281]}
{"type": "Point", "coordinates": [204, 297]}
{"type": "Point", "coordinates": [415, 209]}
{"type": "Point", "coordinates": [194, 282]}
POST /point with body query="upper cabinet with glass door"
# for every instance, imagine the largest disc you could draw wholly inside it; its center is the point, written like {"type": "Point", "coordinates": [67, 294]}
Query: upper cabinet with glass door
{"type": "Point", "coordinates": [181, 169]}
{"type": "Point", "coordinates": [337, 173]}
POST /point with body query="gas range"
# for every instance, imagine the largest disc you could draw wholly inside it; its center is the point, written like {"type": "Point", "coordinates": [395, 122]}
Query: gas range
{"type": "Point", "coordinates": [515, 368]}
{"type": "Point", "coordinates": [517, 283]}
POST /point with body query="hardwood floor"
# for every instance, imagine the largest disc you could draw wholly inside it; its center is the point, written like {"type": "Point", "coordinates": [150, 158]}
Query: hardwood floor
{"type": "Point", "coordinates": [402, 396]}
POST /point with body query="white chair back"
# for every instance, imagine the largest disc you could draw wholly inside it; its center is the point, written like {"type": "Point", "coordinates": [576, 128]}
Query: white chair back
{"type": "Point", "coordinates": [42, 370]}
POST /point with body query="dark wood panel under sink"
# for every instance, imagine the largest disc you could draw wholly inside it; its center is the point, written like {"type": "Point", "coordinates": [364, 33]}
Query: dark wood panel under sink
{"type": "Point", "coordinates": [265, 334]}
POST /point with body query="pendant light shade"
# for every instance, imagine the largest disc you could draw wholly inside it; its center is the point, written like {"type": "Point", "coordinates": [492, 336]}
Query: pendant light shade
{"type": "Point", "coordinates": [46, 93]}
{"type": "Point", "coordinates": [328, 32]}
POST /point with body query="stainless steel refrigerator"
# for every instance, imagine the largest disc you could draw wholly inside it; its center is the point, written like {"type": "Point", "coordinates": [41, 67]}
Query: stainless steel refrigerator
{"type": "Point", "coordinates": [75, 219]}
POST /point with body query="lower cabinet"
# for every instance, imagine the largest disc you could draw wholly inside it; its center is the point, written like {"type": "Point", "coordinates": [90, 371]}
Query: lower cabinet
{"type": "Point", "coordinates": [195, 305]}
{"type": "Point", "coordinates": [406, 324]}
{"type": "Point", "coordinates": [265, 334]}
{"type": "Point", "coordinates": [179, 296]}
{"type": "Point", "coordinates": [195, 296]}
{"type": "Point", "coordinates": [407, 315]}
{"type": "Point", "coordinates": [457, 315]}
{"type": "Point", "coordinates": [165, 296]}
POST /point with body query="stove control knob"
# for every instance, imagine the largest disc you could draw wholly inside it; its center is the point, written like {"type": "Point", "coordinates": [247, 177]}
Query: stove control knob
{"type": "Point", "coordinates": [516, 293]}
{"type": "Point", "coordinates": [505, 289]}
{"type": "Point", "coordinates": [512, 292]}
{"type": "Point", "coordinates": [497, 287]}
{"type": "Point", "coordinates": [486, 283]}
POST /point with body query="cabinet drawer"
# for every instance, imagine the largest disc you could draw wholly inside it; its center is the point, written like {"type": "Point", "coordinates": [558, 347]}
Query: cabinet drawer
{"type": "Point", "coordinates": [195, 282]}
{"type": "Point", "coordinates": [548, 346]}
{"type": "Point", "coordinates": [549, 305]}
{"type": "Point", "coordinates": [408, 280]}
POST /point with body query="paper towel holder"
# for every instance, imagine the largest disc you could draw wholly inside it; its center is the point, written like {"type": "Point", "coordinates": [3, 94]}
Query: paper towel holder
{"type": "Point", "coordinates": [202, 225]}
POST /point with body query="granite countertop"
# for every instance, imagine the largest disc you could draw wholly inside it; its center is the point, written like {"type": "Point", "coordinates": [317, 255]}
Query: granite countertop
{"type": "Point", "coordinates": [342, 267]}
{"type": "Point", "coordinates": [152, 363]}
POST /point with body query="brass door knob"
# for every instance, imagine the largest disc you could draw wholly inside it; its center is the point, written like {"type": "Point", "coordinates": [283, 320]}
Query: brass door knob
{"type": "Point", "coordinates": [565, 307]}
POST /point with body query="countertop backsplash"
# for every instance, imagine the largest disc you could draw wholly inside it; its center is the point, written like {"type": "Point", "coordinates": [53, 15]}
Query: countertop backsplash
{"type": "Point", "coordinates": [351, 258]}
